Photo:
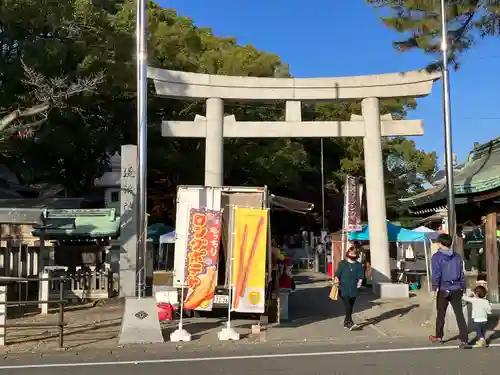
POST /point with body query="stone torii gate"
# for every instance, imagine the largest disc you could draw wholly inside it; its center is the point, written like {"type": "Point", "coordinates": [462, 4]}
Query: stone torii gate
{"type": "Point", "coordinates": [214, 126]}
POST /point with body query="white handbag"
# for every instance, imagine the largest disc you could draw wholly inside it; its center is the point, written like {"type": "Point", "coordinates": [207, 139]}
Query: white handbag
{"type": "Point", "coordinates": [409, 253]}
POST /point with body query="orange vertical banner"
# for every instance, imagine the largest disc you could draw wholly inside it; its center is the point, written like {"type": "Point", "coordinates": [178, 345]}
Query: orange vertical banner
{"type": "Point", "coordinates": [202, 258]}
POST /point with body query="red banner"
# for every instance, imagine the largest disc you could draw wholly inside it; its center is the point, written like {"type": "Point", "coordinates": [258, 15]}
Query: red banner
{"type": "Point", "coordinates": [202, 258]}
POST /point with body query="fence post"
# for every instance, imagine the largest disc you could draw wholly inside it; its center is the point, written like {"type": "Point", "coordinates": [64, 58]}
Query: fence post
{"type": "Point", "coordinates": [3, 313]}
{"type": "Point", "coordinates": [61, 324]}
{"type": "Point", "coordinates": [44, 292]}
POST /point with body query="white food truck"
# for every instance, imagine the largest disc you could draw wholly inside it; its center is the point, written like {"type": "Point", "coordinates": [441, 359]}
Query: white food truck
{"type": "Point", "coordinates": [189, 197]}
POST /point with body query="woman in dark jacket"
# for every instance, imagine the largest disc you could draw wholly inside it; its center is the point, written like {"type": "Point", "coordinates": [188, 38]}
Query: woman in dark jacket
{"type": "Point", "coordinates": [349, 278]}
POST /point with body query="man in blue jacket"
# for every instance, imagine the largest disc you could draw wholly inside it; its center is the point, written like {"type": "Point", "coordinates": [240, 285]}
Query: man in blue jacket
{"type": "Point", "coordinates": [448, 285]}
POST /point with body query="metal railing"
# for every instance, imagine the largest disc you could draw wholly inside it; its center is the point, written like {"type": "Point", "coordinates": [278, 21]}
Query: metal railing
{"type": "Point", "coordinates": [83, 285]}
{"type": "Point", "coordinates": [60, 324]}
{"type": "Point", "coordinates": [4, 281]}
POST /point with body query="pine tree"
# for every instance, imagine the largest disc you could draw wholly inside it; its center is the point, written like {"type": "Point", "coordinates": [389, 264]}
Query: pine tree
{"type": "Point", "coordinates": [420, 22]}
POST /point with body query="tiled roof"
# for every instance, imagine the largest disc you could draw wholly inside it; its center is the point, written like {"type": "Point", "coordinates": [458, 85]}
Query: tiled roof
{"type": "Point", "coordinates": [30, 210]}
{"type": "Point", "coordinates": [91, 223]}
{"type": "Point", "coordinates": [481, 173]}
{"type": "Point", "coordinates": [425, 196]}
{"type": "Point", "coordinates": [42, 203]}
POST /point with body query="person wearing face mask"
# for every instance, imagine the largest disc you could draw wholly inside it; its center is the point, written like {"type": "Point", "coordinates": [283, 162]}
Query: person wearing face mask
{"type": "Point", "coordinates": [349, 278]}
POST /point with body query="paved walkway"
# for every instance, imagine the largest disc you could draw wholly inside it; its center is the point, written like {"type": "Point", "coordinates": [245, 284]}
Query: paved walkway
{"type": "Point", "coordinates": [314, 319]}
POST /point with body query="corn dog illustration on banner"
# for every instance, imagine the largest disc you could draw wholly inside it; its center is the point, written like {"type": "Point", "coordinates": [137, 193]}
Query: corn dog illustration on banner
{"type": "Point", "coordinates": [202, 258]}
{"type": "Point", "coordinates": [249, 259]}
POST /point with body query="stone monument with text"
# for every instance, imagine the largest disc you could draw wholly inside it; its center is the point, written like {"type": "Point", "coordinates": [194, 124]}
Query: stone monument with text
{"type": "Point", "coordinates": [140, 322]}
{"type": "Point", "coordinates": [128, 226]}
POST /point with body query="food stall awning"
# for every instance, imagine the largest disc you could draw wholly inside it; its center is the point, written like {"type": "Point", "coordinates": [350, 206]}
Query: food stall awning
{"type": "Point", "coordinates": [292, 205]}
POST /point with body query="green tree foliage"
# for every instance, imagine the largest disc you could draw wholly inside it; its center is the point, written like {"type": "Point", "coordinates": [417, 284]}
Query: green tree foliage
{"type": "Point", "coordinates": [420, 22]}
{"type": "Point", "coordinates": [28, 95]}
{"type": "Point", "coordinates": [66, 40]}
{"type": "Point", "coordinates": [77, 38]}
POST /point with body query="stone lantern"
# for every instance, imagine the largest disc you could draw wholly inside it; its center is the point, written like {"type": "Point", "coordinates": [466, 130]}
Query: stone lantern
{"type": "Point", "coordinates": [110, 181]}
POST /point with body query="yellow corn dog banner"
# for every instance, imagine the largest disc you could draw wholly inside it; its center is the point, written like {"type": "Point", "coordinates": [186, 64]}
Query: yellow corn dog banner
{"type": "Point", "coordinates": [202, 258]}
{"type": "Point", "coordinates": [249, 259]}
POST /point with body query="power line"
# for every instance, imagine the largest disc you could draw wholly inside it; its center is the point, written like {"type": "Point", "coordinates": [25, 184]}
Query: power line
{"type": "Point", "coordinates": [479, 118]}
{"type": "Point", "coordinates": [492, 57]}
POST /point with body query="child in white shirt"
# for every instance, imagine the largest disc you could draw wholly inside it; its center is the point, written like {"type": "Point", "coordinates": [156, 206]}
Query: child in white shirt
{"type": "Point", "coordinates": [481, 308]}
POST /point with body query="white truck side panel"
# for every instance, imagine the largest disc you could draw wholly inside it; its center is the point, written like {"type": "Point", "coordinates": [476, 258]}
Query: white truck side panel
{"type": "Point", "coordinates": [189, 197]}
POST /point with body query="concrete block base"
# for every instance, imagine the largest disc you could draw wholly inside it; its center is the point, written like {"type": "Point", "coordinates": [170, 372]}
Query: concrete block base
{"type": "Point", "coordinates": [228, 334]}
{"type": "Point", "coordinates": [391, 290]}
{"type": "Point", "coordinates": [180, 335]}
{"type": "Point", "coordinates": [140, 324]}
{"type": "Point", "coordinates": [284, 305]}
{"type": "Point", "coordinates": [256, 329]}
{"type": "Point", "coordinates": [495, 307]}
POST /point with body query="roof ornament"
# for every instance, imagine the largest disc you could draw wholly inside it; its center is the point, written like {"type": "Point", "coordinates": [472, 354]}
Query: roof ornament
{"type": "Point", "coordinates": [115, 162]}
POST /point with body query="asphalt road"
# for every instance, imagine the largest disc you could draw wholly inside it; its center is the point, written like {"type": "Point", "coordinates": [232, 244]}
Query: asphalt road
{"type": "Point", "coordinates": [323, 360]}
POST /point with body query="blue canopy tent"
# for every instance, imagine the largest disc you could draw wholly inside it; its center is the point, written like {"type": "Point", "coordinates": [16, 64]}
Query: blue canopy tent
{"type": "Point", "coordinates": [396, 234]}
{"type": "Point", "coordinates": [155, 231]}
{"type": "Point", "coordinates": [158, 234]}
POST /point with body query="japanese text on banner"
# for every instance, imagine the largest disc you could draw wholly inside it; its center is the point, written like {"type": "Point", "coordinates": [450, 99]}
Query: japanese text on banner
{"type": "Point", "coordinates": [353, 204]}
{"type": "Point", "coordinates": [202, 258]}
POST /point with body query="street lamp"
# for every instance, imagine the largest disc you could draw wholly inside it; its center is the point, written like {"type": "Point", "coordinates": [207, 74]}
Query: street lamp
{"type": "Point", "coordinates": [447, 124]}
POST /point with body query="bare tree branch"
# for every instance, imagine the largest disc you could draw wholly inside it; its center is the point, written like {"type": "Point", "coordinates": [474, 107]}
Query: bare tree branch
{"type": "Point", "coordinates": [49, 93]}
{"type": "Point", "coordinates": [17, 114]}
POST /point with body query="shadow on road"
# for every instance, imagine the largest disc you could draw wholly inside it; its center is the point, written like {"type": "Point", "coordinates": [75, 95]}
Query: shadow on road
{"type": "Point", "coordinates": [400, 312]}
{"type": "Point", "coordinates": [312, 304]}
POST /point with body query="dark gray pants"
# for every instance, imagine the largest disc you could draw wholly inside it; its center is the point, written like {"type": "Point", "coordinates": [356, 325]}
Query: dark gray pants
{"type": "Point", "coordinates": [348, 307]}
{"type": "Point", "coordinates": [443, 299]}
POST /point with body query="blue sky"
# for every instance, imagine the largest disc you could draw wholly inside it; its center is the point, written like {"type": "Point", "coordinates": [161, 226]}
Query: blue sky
{"type": "Point", "coordinates": [329, 38]}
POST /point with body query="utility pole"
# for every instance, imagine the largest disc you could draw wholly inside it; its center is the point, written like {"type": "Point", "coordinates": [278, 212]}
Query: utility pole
{"type": "Point", "coordinates": [323, 220]}
{"type": "Point", "coordinates": [142, 147]}
{"type": "Point", "coordinates": [447, 124]}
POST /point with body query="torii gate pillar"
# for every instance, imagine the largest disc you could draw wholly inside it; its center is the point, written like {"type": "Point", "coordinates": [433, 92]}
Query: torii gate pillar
{"type": "Point", "coordinates": [375, 195]}
{"type": "Point", "coordinates": [214, 144]}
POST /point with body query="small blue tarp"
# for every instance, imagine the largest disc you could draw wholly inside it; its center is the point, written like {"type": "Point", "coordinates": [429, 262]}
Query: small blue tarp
{"type": "Point", "coordinates": [394, 232]}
